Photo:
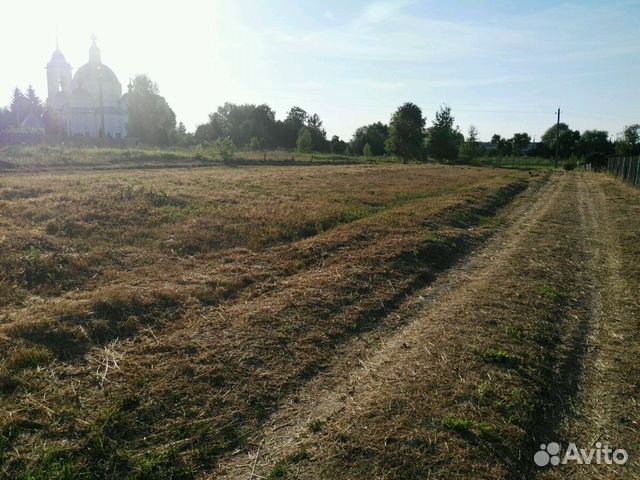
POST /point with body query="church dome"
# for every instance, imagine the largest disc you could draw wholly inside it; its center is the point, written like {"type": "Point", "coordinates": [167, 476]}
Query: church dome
{"type": "Point", "coordinates": [90, 73]}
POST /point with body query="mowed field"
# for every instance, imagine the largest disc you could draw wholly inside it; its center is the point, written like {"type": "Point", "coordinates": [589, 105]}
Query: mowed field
{"type": "Point", "coordinates": [311, 322]}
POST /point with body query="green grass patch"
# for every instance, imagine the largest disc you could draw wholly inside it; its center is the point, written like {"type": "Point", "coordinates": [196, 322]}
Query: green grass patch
{"type": "Point", "coordinates": [497, 356]}
{"type": "Point", "coordinates": [316, 426]}
{"type": "Point", "coordinates": [458, 425]}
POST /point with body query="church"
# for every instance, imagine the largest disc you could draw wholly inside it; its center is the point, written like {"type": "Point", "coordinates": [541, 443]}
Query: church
{"type": "Point", "coordinates": [88, 104]}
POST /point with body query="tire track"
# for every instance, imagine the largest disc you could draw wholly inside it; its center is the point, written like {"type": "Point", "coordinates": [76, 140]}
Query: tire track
{"type": "Point", "coordinates": [602, 410]}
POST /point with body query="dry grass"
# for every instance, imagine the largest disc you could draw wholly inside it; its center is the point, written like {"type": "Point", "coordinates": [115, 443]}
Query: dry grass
{"type": "Point", "coordinates": [61, 158]}
{"type": "Point", "coordinates": [160, 317]}
{"type": "Point", "coordinates": [513, 353]}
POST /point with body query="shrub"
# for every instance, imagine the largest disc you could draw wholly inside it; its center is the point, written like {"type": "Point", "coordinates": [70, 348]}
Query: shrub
{"type": "Point", "coordinates": [367, 151]}
{"type": "Point", "coordinates": [224, 149]}
{"type": "Point", "coordinates": [570, 164]}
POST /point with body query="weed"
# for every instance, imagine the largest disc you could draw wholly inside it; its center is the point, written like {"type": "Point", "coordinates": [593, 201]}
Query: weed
{"type": "Point", "coordinates": [458, 425]}
{"type": "Point", "coordinates": [55, 464]}
{"type": "Point", "coordinates": [553, 294]}
{"type": "Point", "coordinates": [485, 390]}
{"type": "Point", "coordinates": [299, 456]}
{"type": "Point", "coordinates": [316, 426]}
{"type": "Point", "coordinates": [485, 430]}
{"type": "Point", "coordinates": [280, 471]}
{"type": "Point", "coordinates": [497, 356]}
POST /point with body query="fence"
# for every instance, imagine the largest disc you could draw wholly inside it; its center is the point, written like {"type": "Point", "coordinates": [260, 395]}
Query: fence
{"type": "Point", "coordinates": [625, 168]}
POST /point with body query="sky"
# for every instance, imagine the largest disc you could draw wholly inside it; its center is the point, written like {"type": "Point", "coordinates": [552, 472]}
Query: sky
{"type": "Point", "coordinates": [502, 66]}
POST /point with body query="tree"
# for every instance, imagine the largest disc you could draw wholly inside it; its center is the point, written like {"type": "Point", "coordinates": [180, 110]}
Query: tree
{"type": "Point", "coordinates": [224, 149]}
{"type": "Point", "coordinates": [406, 133]}
{"type": "Point", "coordinates": [567, 140]}
{"type": "Point", "coordinates": [502, 145]}
{"type": "Point", "coordinates": [336, 145]}
{"type": "Point", "coordinates": [5, 119]}
{"type": "Point", "coordinates": [18, 108]}
{"type": "Point", "coordinates": [255, 144]}
{"type": "Point", "coordinates": [367, 151]}
{"type": "Point", "coordinates": [289, 129]}
{"type": "Point", "coordinates": [150, 118]}
{"type": "Point", "coordinates": [241, 123]}
{"type": "Point", "coordinates": [318, 133]}
{"type": "Point", "coordinates": [520, 142]}
{"type": "Point", "coordinates": [628, 141]}
{"type": "Point", "coordinates": [471, 149]}
{"type": "Point", "coordinates": [305, 142]}
{"type": "Point", "coordinates": [594, 142]}
{"type": "Point", "coordinates": [34, 102]}
{"type": "Point", "coordinates": [443, 140]}
{"type": "Point", "coordinates": [181, 137]}
{"type": "Point", "coordinates": [375, 135]}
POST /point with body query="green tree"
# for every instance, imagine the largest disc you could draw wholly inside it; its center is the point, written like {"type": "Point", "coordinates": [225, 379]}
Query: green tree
{"type": "Point", "coordinates": [337, 146]}
{"type": "Point", "coordinates": [150, 118]}
{"type": "Point", "coordinates": [375, 135]}
{"type": "Point", "coordinates": [628, 141]}
{"type": "Point", "coordinates": [224, 149]}
{"type": "Point", "coordinates": [520, 142]}
{"type": "Point", "coordinates": [502, 145]}
{"type": "Point", "coordinates": [567, 139]}
{"type": "Point", "coordinates": [255, 144]}
{"type": "Point", "coordinates": [289, 129]}
{"type": "Point", "coordinates": [181, 137]}
{"type": "Point", "coordinates": [443, 139]}
{"type": "Point", "coordinates": [241, 123]}
{"type": "Point", "coordinates": [594, 142]}
{"type": "Point", "coordinates": [305, 141]}
{"type": "Point", "coordinates": [471, 148]}
{"type": "Point", "coordinates": [318, 133]}
{"type": "Point", "coordinates": [406, 133]}
{"type": "Point", "coordinates": [367, 151]}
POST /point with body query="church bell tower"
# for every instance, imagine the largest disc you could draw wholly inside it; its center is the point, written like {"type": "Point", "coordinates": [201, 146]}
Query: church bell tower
{"type": "Point", "coordinates": [58, 75]}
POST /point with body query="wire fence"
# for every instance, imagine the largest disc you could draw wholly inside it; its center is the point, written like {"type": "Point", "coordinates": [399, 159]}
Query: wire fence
{"type": "Point", "coordinates": [625, 168]}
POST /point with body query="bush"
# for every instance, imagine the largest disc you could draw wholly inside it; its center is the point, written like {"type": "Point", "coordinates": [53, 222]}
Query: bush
{"type": "Point", "coordinates": [224, 149]}
{"type": "Point", "coordinates": [367, 151]}
{"type": "Point", "coordinates": [570, 164]}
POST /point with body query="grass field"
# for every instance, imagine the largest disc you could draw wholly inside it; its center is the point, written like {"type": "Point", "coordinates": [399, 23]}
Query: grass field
{"type": "Point", "coordinates": [38, 158]}
{"type": "Point", "coordinates": [352, 321]}
{"type": "Point", "coordinates": [61, 158]}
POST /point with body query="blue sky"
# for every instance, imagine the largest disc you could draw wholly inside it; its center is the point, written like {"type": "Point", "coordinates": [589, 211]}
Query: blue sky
{"type": "Point", "coordinates": [502, 66]}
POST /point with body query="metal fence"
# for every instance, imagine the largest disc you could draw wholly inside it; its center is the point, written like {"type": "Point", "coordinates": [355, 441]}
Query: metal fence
{"type": "Point", "coordinates": [625, 168]}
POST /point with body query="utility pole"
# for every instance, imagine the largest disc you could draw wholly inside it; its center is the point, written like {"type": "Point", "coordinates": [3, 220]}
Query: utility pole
{"type": "Point", "coordinates": [557, 136]}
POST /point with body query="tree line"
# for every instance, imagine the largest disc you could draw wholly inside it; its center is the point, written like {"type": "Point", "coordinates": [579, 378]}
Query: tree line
{"type": "Point", "coordinates": [255, 127]}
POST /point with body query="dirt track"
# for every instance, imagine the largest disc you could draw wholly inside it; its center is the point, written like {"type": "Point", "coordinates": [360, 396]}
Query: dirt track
{"type": "Point", "coordinates": [532, 339]}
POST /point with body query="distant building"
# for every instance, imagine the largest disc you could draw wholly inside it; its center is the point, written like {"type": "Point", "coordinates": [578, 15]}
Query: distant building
{"type": "Point", "coordinates": [90, 103]}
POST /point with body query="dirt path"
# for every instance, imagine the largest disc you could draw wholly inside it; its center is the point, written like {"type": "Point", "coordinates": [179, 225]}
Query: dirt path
{"type": "Point", "coordinates": [542, 310]}
{"type": "Point", "coordinates": [605, 408]}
